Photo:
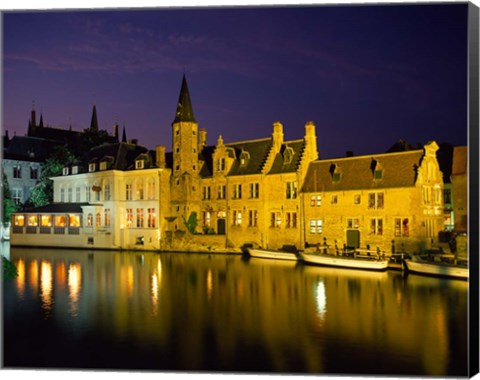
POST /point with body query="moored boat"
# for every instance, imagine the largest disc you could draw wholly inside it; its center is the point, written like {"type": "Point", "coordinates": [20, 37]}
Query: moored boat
{"type": "Point", "coordinates": [270, 254]}
{"type": "Point", "coordinates": [357, 262]}
{"type": "Point", "coordinates": [418, 265]}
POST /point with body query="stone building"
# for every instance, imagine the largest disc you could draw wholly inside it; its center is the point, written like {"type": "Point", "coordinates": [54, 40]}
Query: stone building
{"type": "Point", "coordinates": [268, 192]}
{"type": "Point", "coordinates": [375, 201]}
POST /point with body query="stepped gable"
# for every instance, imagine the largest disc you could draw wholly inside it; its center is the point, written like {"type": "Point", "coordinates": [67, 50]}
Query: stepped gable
{"type": "Point", "coordinates": [257, 154]}
{"type": "Point", "coordinates": [26, 148]}
{"type": "Point", "coordinates": [124, 155]}
{"type": "Point", "coordinates": [289, 157]}
{"type": "Point", "coordinates": [399, 170]}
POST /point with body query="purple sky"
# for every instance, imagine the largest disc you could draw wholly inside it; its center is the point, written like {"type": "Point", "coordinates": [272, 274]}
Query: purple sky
{"type": "Point", "coordinates": [366, 75]}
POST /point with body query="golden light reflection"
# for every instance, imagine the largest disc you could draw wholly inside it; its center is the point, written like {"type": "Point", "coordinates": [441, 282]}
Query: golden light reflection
{"type": "Point", "coordinates": [20, 280]}
{"type": "Point", "coordinates": [60, 275]}
{"type": "Point", "coordinates": [154, 291]}
{"type": "Point", "coordinates": [130, 281]}
{"type": "Point", "coordinates": [320, 299]}
{"type": "Point", "coordinates": [33, 275]}
{"type": "Point", "coordinates": [209, 284]}
{"type": "Point", "coordinates": [46, 285]}
{"type": "Point", "coordinates": [74, 286]}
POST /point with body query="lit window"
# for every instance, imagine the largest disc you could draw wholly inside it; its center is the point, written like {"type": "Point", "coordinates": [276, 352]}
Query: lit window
{"type": "Point", "coordinates": [140, 218]}
{"type": "Point", "coordinates": [357, 199]}
{"type": "Point", "coordinates": [275, 219]}
{"type": "Point", "coordinates": [98, 219]}
{"type": "Point", "coordinates": [129, 217]}
{"type": "Point", "coordinates": [19, 220]}
{"type": "Point", "coordinates": [106, 192]}
{"type": "Point", "coordinates": [46, 220]}
{"type": "Point", "coordinates": [139, 190]}
{"type": "Point", "coordinates": [65, 171]}
{"type": "Point", "coordinates": [103, 165]}
{"type": "Point", "coordinates": [151, 218]}
{"type": "Point", "coordinates": [60, 221]}
{"type": "Point", "coordinates": [291, 190]}
{"type": "Point", "coordinates": [91, 167]}
{"type": "Point", "coordinates": [237, 218]}
{"type": "Point", "coordinates": [139, 164]}
{"type": "Point", "coordinates": [316, 226]}
{"type": "Point", "coordinates": [90, 220]}
{"type": "Point", "coordinates": [75, 170]}
{"type": "Point", "coordinates": [74, 220]}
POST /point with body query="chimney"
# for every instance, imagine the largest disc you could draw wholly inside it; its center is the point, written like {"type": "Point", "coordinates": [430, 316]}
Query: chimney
{"type": "Point", "coordinates": [311, 140]}
{"type": "Point", "coordinates": [133, 141]}
{"type": "Point", "coordinates": [277, 135]}
{"type": "Point", "coordinates": [115, 131]}
{"type": "Point", "coordinates": [160, 159]}
{"type": "Point", "coordinates": [202, 139]}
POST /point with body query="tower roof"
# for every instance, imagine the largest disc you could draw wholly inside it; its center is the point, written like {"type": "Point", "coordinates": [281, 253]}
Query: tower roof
{"type": "Point", "coordinates": [184, 106]}
{"type": "Point", "coordinates": [94, 122]}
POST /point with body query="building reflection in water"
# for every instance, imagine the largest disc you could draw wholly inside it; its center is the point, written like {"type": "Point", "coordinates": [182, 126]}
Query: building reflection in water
{"type": "Point", "coordinates": [220, 312]}
{"type": "Point", "coordinates": [74, 286]}
{"type": "Point", "coordinates": [46, 286]}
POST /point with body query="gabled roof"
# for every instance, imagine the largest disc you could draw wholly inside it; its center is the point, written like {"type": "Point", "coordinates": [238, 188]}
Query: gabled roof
{"type": "Point", "coordinates": [460, 159]}
{"type": "Point", "coordinates": [124, 155]}
{"type": "Point", "coordinates": [257, 151]}
{"type": "Point", "coordinates": [26, 148]}
{"type": "Point", "coordinates": [184, 106]}
{"type": "Point", "coordinates": [285, 164]}
{"type": "Point", "coordinates": [399, 170]}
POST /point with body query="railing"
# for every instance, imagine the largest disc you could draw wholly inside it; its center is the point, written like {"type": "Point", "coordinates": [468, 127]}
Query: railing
{"type": "Point", "coordinates": [17, 229]}
{"type": "Point", "coordinates": [74, 231]}
{"type": "Point", "coordinates": [31, 230]}
{"type": "Point", "coordinates": [45, 230]}
{"type": "Point", "coordinates": [59, 230]}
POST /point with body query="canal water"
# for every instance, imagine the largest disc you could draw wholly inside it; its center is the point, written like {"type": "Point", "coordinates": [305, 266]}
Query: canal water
{"type": "Point", "coordinates": [207, 312]}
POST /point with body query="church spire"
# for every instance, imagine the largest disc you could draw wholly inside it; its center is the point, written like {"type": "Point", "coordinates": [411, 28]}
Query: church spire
{"type": "Point", "coordinates": [184, 106]}
{"type": "Point", "coordinates": [41, 121]}
{"type": "Point", "coordinates": [94, 122]}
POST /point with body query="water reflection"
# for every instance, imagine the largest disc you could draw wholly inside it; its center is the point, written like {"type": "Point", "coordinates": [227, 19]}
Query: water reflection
{"type": "Point", "coordinates": [207, 312]}
{"type": "Point", "coordinates": [46, 287]}
{"type": "Point", "coordinates": [74, 286]}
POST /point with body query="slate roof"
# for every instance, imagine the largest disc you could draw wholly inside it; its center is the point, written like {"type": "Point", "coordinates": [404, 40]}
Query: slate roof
{"type": "Point", "coordinates": [281, 165]}
{"type": "Point", "coordinates": [460, 159]}
{"type": "Point", "coordinates": [123, 154]}
{"type": "Point", "coordinates": [184, 107]}
{"type": "Point", "coordinates": [52, 208]}
{"type": "Point", "coordinates": [57, 134]}
{"type": "Point", "coordinates": [399, 170]}
{"type": "Point", "coordinates": [258, 152]}
{"type": "Point", "coordinates": [26, 148]}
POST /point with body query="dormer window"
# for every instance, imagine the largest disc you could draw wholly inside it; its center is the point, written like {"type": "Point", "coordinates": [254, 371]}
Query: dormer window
{"type": "Point", "coordinates": [244, 157]}
{"type": "Point", "coordinates": [65, 171]}
{"type": "Point", "coordinates": [336, 173]}
{"type": "Point", "coordinates": [91, 167]}
{"type": "Point", "coordinates": [376, 169]}
{"type": "Point", "coordinates": [287, 155]}
{"type": "Point", "coordinates": [103, 165]}
{"type": "Point", "coordinates": [139, 164]}
{"type": "Point", "coordinates": [74, 169]}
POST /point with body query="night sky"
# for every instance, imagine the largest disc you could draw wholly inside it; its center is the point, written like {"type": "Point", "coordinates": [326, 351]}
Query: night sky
{"type": "Point", "coordinates": [367, 76]}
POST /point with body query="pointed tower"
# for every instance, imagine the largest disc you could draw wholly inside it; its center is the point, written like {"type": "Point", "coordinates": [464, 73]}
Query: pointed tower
{"type": "Point", "coordinates": [32, 123]}
{"type": "Point", "coordinates": [185, 135]}
{"type": "Point", "coordinates": [41, 121]}
{"type": "Point", "coordinates": [94, 122]}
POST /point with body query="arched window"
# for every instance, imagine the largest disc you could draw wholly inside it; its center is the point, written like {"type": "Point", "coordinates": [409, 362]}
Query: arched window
{"type": "Point", "coordinates": [139, 190]}
{"type": "Point", "coordinates": [98, 220]}
{"type": "Point", "coordinates": [89, 220]}
{"type": "Point", "coordinates": [150, 188]}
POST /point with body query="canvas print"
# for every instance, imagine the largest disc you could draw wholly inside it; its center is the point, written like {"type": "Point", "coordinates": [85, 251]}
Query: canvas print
{"type": "Point", "coordinates": [263, 190]}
